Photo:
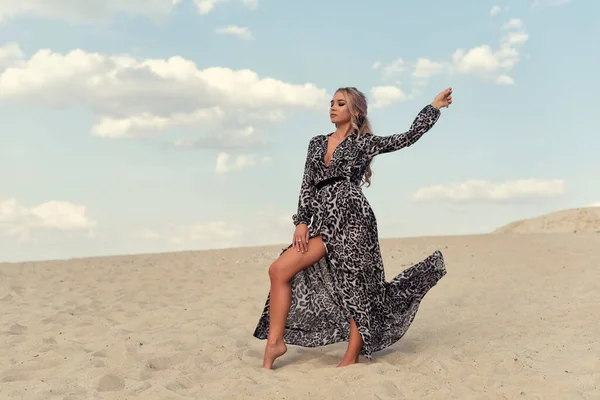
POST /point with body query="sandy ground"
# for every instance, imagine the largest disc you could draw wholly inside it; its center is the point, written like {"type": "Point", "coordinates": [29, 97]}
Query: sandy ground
{"type": "Point", "coordinates": [516, 317]}
{"type": "Point", "coordinates": [574, 220]}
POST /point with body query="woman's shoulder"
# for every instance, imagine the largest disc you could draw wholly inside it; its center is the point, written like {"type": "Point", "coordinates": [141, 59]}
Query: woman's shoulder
{"type": "Point", "coordinates": [319, 138]}
{"type": "Point", "coordinates": [364, 137]}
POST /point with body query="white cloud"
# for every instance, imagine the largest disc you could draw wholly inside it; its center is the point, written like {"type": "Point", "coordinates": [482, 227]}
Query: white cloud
{"type": "Point", "coordinates": [145, 123]}
{"type": "Point", "coordinates": [513, 23]}
{"type": "Point", "coordinates": [495, 11]}
{"type": "Point", "coordinates": [385, 96]}
{"type": "Point", "coordinates": [237, 31]}
{"type": "Point", "coordinates": [225, 164]}
{"type": "Point", "coordinates": [392, 70]}
{"type": "Point", "coordinates": [269, 225]}
{"type": "Point", "coordinates": [19, 220]}
{"type": "Point", "coordinates": [515, 38]}
{"type": "Point", "coordinates": [136, 97]}
{"type": "Point", "coordinates": [9, 53]}
{"type": "Point", "coordinates": [265, 226]}
{"type": "Point", "coordinates": [483, 61]}
{"type": "Point", "coordinates": [505, 80]}
{"type": "Point", "coordinates": [206, 6]}
{"type": "Point", "coordinates": [425, 68]}
{"type": "Point", "coordinates": [596, 204]}
{"type": "Point", "coordinates": [84, 10]}
{"type": "Point", "coordinates": [473, 190]}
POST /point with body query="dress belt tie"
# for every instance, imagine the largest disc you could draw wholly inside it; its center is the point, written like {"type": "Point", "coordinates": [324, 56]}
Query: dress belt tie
{"type": "Point", "coordinates": [329, 181]}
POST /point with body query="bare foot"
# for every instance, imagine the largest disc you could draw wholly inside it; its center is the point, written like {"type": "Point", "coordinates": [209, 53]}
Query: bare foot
{"type": "Point", "coordinates": [345, 362]}
{"type": "Point", "coordinates": [272, 351]}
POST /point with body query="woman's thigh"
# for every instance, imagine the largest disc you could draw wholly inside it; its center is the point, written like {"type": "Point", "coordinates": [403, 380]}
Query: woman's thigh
{"type": "Point", "coordinates": [291, 261]}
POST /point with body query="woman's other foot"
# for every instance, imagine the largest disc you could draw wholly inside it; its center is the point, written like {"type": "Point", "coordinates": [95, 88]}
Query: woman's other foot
{"type": "Point", "coordinates": [348, 361]}
{"type": "Point", "coordinates": [273, 351]}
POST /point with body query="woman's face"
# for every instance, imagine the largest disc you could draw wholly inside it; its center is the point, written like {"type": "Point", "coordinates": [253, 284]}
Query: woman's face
{"type": "Point", "coordinates": [338, 111]}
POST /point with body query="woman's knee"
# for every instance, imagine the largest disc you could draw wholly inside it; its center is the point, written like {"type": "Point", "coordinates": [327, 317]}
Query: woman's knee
{"type": "Point", "coordinates": [277, 271]}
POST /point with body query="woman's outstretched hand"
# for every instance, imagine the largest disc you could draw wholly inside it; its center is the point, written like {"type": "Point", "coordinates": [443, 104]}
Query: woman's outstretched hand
{"type": "Point", "coordinates": [444, 99]}
{"type": "Point", "coordinates": [300, 239]}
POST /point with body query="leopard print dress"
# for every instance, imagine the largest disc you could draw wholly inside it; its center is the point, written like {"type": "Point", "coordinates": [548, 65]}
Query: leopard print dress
{"type": "Point", "coordinates": [349, 281]}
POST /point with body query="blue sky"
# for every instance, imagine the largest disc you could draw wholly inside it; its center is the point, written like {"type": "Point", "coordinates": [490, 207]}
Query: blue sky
{"type": "Point", "coordinates": [159, 125]}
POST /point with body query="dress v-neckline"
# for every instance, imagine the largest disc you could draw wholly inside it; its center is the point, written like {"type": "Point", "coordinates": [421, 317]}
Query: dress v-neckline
{"type": "Point", "coordinates": [334, 150]}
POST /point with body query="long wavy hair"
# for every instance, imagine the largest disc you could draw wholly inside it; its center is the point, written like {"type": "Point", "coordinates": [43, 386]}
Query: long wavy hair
{"type": "Point", "coordinates": [357, 104]}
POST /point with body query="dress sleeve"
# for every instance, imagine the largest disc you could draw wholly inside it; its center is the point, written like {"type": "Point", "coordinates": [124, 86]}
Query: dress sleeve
{"type": "Point", "coordinates": [307, 190]}
{"type": "Point", "coordinates": [423, 122]}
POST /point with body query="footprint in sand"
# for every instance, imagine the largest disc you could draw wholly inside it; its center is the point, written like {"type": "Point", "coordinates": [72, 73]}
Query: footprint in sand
{"type": "Point", "coordinates": [111, 383]}
{"type": "Point", "coordinates": [17, 329]}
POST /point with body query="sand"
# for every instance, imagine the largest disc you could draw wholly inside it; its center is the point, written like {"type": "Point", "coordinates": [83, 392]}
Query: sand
{"type": "Point", "coordinates": [574, 220]}
{"type": "Point", "coordinates": [516, 317]}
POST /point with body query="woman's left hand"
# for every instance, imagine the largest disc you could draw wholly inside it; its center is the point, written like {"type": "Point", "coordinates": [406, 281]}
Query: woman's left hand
{"type": "Point", "coordinates": [444, 99]}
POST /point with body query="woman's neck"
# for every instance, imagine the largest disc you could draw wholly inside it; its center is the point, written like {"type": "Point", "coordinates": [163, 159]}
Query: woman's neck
{"type": "Point", "coordinates": [342, 130]}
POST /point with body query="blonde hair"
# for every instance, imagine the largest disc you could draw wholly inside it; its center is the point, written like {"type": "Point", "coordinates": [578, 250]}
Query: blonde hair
{"type": "Point", "coordinates": [357, 103]}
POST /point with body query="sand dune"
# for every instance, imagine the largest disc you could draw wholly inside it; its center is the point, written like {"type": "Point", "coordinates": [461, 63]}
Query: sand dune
{"type": "Point", "coordinates": [516, 317]}
{"type": "Point", "coordinates": [574, 220]}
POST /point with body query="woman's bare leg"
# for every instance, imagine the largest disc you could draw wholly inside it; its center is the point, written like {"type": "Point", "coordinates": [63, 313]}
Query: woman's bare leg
{"type": "Point", "coordinates": [281, 273]}
{"type": "Point", "coordinates": [354, 346]}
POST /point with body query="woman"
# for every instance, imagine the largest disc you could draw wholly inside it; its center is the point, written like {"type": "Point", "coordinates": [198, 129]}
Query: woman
{"type": "Point", "coordinates": [329, 285]}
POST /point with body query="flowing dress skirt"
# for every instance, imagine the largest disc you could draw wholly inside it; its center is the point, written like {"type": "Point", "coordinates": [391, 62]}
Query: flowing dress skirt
{"type": "Point", "coordinates": [349, 281]}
